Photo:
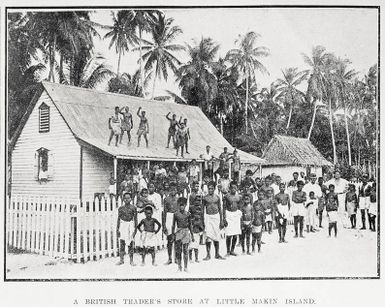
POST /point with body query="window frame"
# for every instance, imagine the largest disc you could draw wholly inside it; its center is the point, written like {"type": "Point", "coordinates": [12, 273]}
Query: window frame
{"type": "Point", "coordinates": [44, 107]}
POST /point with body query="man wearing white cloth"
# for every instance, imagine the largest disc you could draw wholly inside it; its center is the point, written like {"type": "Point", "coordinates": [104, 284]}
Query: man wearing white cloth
{"type": "Point", "coordinates": [232, 218]}
{"type": "Point", "coordinates": [341, 186]}
{"type": "Point", "coordinates": [156, 199]}
{"type": "Point", "coordinates": [213, 221]}
{"type": "Point", "coordinates": [311, 209]}
{"type": "Point", "coordinates": [170, 207]}
{"type": "Point", "coordinates": [126, 228]}
{"type": "Point", "coordinates": [364, 199]}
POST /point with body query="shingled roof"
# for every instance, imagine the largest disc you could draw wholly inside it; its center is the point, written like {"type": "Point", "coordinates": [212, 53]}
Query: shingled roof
{"type": "Point", "coordinates": [86, 113]}
{"type": "Point", "coordinates": [287, 150]}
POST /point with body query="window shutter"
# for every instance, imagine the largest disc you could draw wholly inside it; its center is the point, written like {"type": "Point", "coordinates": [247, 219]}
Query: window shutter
{"type": "Point", "coordinates": [36, 166]}
{"type": "Point", "coordinates": [51, 166]}
{"type": "Point", "coordinates": [44, 118]}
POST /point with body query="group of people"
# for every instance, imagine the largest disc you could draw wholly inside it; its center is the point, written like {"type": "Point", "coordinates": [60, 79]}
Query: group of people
{"type": "Point", "coordinates": [207, 212]}
{"type": "Point", "coordinates": [121, 122]}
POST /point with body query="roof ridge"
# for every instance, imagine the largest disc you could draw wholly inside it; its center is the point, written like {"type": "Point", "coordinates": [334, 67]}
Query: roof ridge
{"type": "Point", "coordinates": [110, 93]}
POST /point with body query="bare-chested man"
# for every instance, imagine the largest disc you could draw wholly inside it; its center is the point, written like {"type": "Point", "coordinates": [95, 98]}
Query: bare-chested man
{"type": "Point", "coordinates": [213, 221]}
{"type": "Point", "coordinates": [126, 228]}
{"type": "Point", "coordinates": [232, 218]}
{"type": "Point", "coordinates": [170, 207]}
{"type": "Point", "coordinates": [144, 128]}
{"type": "Point", "coordinates": [183, 233]}
{"type": "Point", "coordinates": [299, 199]}
{"type": "Point", "coordinates": [283, 207]}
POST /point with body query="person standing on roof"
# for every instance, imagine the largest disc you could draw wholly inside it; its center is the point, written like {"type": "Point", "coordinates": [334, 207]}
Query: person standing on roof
{"type": "Point", "coordinates": [187, 136]}
{"type": "Point", "coordinates": [127, 124]}
{"type": "Point", "coordinates": [115, 125]}
{"type": "Point", "coordinates": [144, 128]}
{"type": "Point", "coordinates": [171, 129]}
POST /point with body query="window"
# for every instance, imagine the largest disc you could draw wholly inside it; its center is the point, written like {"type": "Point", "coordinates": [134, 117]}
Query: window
{"type": "Point", "coordinates": [43, 165]}
{"type": "Point", "coordinates": [43, 118]}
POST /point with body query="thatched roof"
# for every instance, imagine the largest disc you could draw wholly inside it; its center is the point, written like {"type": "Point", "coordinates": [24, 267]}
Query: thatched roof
{"type": "Point", "coordinates": [86, 113]}
{"type": "Point", "coordinates": [287, 150]}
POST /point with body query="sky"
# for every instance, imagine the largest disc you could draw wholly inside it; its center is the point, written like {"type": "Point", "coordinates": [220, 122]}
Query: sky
{"type": "Point", "coordinates": [287, 32]}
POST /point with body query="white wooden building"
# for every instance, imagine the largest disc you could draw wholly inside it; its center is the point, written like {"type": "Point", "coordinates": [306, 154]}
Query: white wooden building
{"type": "Point", "coordinates": [60, 147]}
{"type": "Point", "coordinates": [285, 155]}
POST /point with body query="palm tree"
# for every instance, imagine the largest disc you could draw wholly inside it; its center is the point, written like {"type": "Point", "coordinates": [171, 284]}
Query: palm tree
{"type": "Point", "coordinates": [128, 84]}
{"type": "Point", "coordinates": [143, 20]}
{"type": "Point", "coordinates": [316, 83]}
{"type": "Point", "coordinates": [246, 60]}
{"type": "Point", "coordinates": [344, 78]}
{"type": "Point", "coordinates": [66, 32]}
{"type": "Point", "coordinates": [122, 34]}
{"type": "Point", "coordinates": [288, 91]}
{"type": "Point", "coordinates": [158, 52]}
{"type": "Point", "coordinates": [196, 78]}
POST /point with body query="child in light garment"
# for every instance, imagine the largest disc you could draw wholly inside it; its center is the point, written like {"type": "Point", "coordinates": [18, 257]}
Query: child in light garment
{"type": "Point", "coordinates": [197, 220]}
{"type": "Point", "coordinates": [246, 223]}
{"type": "Point", "coordinates": [332, 208]}
{"type": "Point", "coordinates": [149, 227]}
{"type": "Point", "coordinates": [351, 204]}
{"type": "Point", "coordinates": [258, 222]}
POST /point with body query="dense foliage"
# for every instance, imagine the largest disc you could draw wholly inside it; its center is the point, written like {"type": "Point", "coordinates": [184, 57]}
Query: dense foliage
{"type": "Point", "coordinates": [337, 110]}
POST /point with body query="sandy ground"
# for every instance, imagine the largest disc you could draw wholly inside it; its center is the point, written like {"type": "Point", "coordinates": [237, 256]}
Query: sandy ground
{"type": "Point", "coordinates": [352, 254]}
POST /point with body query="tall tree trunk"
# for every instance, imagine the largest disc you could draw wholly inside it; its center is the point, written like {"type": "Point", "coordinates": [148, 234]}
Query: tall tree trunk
{"type": "Point", "coordinates": [246, 102]}
{"type": "Point", "coordinates": [51, 75]}
{"type": "Point", "coordinates": [335, 159]}
{"type": "Point", "coordinates": [312, 120]}
{"type": "Point", "coordinates": [347, 136]}
{"type": "Point", "coordinates": [140, 61]}
{"type": "Point", "coordinates": [289, 119]}
{"type": "Point", "coordinates": [119, 58]}
{"type": "Point", "coordinates": [221, 122]}
{"type": "Point", "coordinates": [61, 67]}
{"type": "Point", "coordinates": [155, 74]}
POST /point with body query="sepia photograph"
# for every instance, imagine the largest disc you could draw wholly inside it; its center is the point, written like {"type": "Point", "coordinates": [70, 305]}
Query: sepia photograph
{"type": "Point", "coordinates": [191, 143]}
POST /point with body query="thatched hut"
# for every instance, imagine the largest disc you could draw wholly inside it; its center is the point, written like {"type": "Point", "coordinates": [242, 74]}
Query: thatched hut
{"type": "Point", "coordinates": [285, 155]}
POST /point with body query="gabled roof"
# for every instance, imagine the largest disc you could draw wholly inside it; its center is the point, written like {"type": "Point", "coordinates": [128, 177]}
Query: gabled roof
{"type": "Point", "coordinates": [287, 150]}
{"type": "Point", "coordinates": [86, 113]}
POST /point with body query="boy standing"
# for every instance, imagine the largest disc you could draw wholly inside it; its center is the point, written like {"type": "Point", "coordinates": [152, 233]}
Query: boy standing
{"type": "Point", "coordinates": [213, 220]}
{"type": "Point", "coordinates": [144, 128]}
{"type": "Point", "coordinates": [197, 220]}
{"type": "Point", "coordinates": [332, 208]}
{"type": "Point", "coordinates": [372, 211]}
{"type": "Point", "coordinates": [148, 234]}
{"type": "Point", "coordinates": [114, 123]}
{"type": "Point", "coordinates": [126, 228]}
{"type": "Point", "coordinates": [283, 207]}
{"type": "Point", "coordinates": [246, 223]}
{"type": "Point", "coordinates": [258, 222]}
{"type": "Point", "coordinates": [232, 218]}
{"type": "Point", "coordinates": [182, 220]}
{"type": "Point", "coordinates": [170, 207]}
{"type": "Point", "coordinates": [299, 199]}
{"type": "Point", "coordinates": [126, 123]}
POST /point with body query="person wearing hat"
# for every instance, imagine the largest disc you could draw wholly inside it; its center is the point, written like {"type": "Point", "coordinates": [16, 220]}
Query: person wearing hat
{"type": "Point", "coordinates": [311, 209]}
{"type": "Point", "coordinates": [299, 200]}
{"type": "Point", "coordinates": [341, 186]}
{"type": "Point", "coordinates": [364, 199]}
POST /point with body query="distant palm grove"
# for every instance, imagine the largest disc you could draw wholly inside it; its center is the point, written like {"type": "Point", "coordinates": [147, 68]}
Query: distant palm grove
{"type": "Point", "coordinates": [327, 103]}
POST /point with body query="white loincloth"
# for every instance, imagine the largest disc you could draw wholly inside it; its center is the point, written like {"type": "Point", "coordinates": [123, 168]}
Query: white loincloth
{"type": "Point", "coordinates": [212, 231]}
{"type": "Point", "coordinates": [169, 221]}
{"type": "Point", "coordinates": [126, 230]}
{"type": "Point", "coordinates": [149, 239]}
{"type": "Point", "coordinates": [283, 210]}
{"type": "Point", "coordinates": [233, 223]}
{"type": "Point", "coordinates": [256, 229]}
{"type": "Point", "coordinates": [268, 215]}
{"type": "Point", "coordinates": [195, 244]}
{"type": "Point", "coordinates": [333, 216]}
{"type": "Point", "coordinates": [364, 203]}
{"type": "Point", "coordinates": [351, 207]}
{"type": "Point", "coordinates": [372, 208]}
{"type": "Point", "coordinates": [298, 209]}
